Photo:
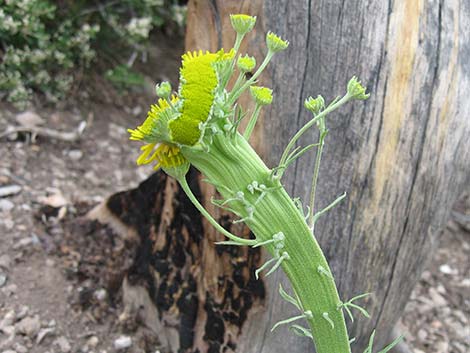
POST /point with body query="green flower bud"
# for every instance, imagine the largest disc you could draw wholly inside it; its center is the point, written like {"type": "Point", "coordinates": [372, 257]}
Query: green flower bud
{"type": "Point", "coordinates": [356, 90]}
{"type": "Point", "coordinates": [242, 24]}
{"type": "Point", "coordinates": [275, 43]}
{"type": "Point", "coordinates": [163, 89]}
{"type": "Point", "coordinates": [315, 105]}
{"type": "Point", "coordinates": [262, 95]}
{"type": "Point", "coordinates": [246, 63]}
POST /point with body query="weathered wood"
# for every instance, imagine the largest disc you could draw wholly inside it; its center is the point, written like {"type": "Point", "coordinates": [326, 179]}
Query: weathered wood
{"type": "Point", "coordinates": [403, 156]}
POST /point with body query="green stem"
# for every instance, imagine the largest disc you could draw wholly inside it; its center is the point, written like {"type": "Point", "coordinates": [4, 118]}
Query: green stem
{"type": "Point", "coordinates": [197, 204]}
{"type": "Point", "coordinates": [316, 171]}
{"type": "Point", "coordinates": [309, 124]}
{"type": "Point", "coordinates": [252, 123]}
{"type": "Point", "coordinates": [234, 164]}
{"type": "Point", "coordinates": [236, 93]}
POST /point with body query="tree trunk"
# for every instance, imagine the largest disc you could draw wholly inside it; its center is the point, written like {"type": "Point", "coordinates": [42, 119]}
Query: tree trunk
{"type": "Point", "coordinates": [403, 156]}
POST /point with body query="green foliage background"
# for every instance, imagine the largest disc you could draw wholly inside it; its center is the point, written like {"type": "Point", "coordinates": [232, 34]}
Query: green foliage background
{"type": "Point", "coordinates": [45, 44]}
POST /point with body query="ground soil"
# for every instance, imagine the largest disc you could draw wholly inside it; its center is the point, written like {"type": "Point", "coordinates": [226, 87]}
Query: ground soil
{"type": "Point", "coordinates": [60, 274]}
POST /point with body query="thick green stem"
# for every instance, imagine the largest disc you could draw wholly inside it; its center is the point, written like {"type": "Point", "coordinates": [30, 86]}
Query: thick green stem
{"type": "Point", "coordinates": [234, 164]}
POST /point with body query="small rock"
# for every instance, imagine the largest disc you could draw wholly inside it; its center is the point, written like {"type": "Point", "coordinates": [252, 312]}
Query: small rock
{"type": "Point", "coordinates": [8, 330]}
{"type": "Point", "coordinates": [437, 299]}
{"type": "Point", "coordinates": [3, 279]}
{"type": "Point", "coordinates": [43, 333]}
{"type": "Point", "coordinates": [20, 348]}
{"type": "Point", "coordinates": [10, 289]}
{"type": "Point", "coordinates": [8, 319]}
{"type": "Point", "coordinates": [100, 294]}
{"type": "Point", "coordinates": [122, 342]}
{"type": "Point", "coordinates": [21, 314]}
{"type": "Point", "coordinates": [9, 224]}
{"type": "Point", "coordinates": [5, 262]}
{"type": "Point", "coordinates": [447, 270]}
{"type": "Point", "coordinates": [29, 119]}
{"type": "Point", "coordinates": [63, 344]}
{"type": "Point", "coordinates": [75, 155]}
{"type": "Point", "coordinates": [6, 205]}
{"type": "Point", "coordinates": [9, 351]}
{"type": "Point", "coordinates": [93, 341]}
{"type": "Point", "coordinates": [29, 326]}
{"type": "Point", "coordinates": [422, 335]}
{"type": "Point", "coordinates": [9, 190]}
{"type": "Point", "coordinates": [137, 110]}
{"type": "Point", "coordinates": [55, 200]}
{"type": "Point", "coordinates": [23, 243]}
{"type": "Point", "coordinates": [52, 323]}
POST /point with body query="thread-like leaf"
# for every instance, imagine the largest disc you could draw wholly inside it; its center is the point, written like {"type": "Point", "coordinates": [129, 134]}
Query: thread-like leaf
{"type": "Point", "coordinates": [301, 331]}
{"type": "Point", "coordinates": [287, 321]}
{"type": "Point", "coordinates": [288, 298]}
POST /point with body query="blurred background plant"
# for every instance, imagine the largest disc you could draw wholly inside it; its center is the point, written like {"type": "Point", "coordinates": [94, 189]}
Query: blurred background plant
{"type": "Point", "coordinates": [46, 45]}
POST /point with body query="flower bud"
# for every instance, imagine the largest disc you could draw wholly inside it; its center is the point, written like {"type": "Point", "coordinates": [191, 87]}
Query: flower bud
{"type": "Point", "coordinates": [242, 24]}
{"type": "Point", "coordinates": [356, 90]}
{"type": "Point", "coordinates": [275, 43]}
{"type": "Point", "coordinates": [315, 105]}
{"type": "Point", "coordinates": [163, 89]}
{"type": "Point", "coordinates": [246, 63]}
{"type": "Point", "coordinates": [262, 95]}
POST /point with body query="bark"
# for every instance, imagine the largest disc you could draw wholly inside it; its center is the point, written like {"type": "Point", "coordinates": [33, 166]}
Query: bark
{"type": "Point", "coordinates": [403, 156]}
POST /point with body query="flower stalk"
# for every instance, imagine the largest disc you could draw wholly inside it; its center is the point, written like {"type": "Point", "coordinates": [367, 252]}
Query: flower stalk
{"type": "Point", "coordinates": [199, 127]}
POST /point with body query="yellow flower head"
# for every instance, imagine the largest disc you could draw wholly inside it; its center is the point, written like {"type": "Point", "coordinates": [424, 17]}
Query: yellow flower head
{"type": "Point", "coordinates": [198, 77]}
{"type": "Point", "coordinates": [166, 155]}
{"type": "Point", "coordinates": [242, 24]}
{"type": "Point", "coordinates": [154, 127]}
{"type": "Point", "coordinates": [262, 95]}
{"type": "Point", "coordinates": [275, 43]}
{"type": "Point", "coordinates": [246, 63]}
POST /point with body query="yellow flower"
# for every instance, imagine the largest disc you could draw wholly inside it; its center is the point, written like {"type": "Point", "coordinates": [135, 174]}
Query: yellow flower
{"type": "Point", "coordinates": [246, 63]}
{"type": "Point", "coordinates": [242, 24]}
{"type": "Point", "coordinates": [262, 95]}
{"type": "Point", "coordinates": [198, 79]}
{"type": "Point", "coordinates": [166, 155]}
{"type": "Point", "coordinates": [154, 127]}
{"type": "Point", "coordinates": [275, 43]}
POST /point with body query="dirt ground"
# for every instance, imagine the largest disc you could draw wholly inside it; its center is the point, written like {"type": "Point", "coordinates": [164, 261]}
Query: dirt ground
{"type": "Point", "coordinates": [59, 284]}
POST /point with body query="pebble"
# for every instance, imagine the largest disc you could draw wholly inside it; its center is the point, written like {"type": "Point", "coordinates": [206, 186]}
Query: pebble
{"type": "Point", "coordinates": [438, 300]}
{"type": "Point", "coordinates": [8, 319]}
{"type": "Point", "coordinates": [63, 344]}
{"type": "Point", "coordinates": [29, 326]}
{"type": "Point", "coordinates": [23, 243]}
{"type": "Point", "coordinates": [43, 333]}
{"type": "Point", "coordinates": [122, 342]}
{"type": "Point", "coordinates": [447, 270]}
{"type": "Point", "coordinates": [10, 289]}
{"type": "Point", "coordinates": [75, 155]}
{"type": "Point", "coordinates": [6, 205]}
{"type": "Point", "coordinates": [100, 294]}
{"type": "Point", "coordinates": [21, 314]}
{"type": "Point", "coordinates": [9, 190]}
{"type": "Point", "coordinates": [5, 262]}
{"type": "Point", "coordinates": [20, 348]}
{"type": "Point", "coordinates": [9, 351]}
{"type": "Point", "coordinates": [3, 279]}
{"type": "Point", "coordinates": [93, 341]}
